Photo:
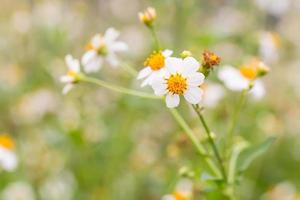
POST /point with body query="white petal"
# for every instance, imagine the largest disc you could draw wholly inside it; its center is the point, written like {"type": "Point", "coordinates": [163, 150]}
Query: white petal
{"type": "Point", "coordinates": [213, 93]}
{"type": "Point", "coordinates": [167, 53]}
{"type": "Point", "coordinates": [119, 46]}
{"type": "Point", "coordinates": [232, 78]}
{"type": "Point", "coordinates": [96, 41]}
{"type": "Point", "coordinates": [88, 56]}
{"type": "Point", "coordinates": [258, 90]}
{"type": "Point", "coordinates": [195, 79]}
{"type": "Point", "coordinates": [66, 79]}
{"type": "Point", "coordinates": [172, 100]}
{"type": "Point", "coordinates": [193, 95]}
{"type": "Point", "coordinates": [67, 88]}
{"type": "Point", "coordinates": [173, 64]}
{"type": "Point", "coordinates": [112, 60]}
{"type": "Point", "coordinates": [159, 86]}
{"type": "Point", "coordinates": [73, 64]}
{"type": "Point", "coordinates": [8, 159]}
{"type": "Point", "coordinates": [94, 64]}
{"type": "Point", "coordinates": [111, 35]}
{"type": "Point", "coordinates": [190, 65]}
{"type": "Point", "coordinates": [144, 72]}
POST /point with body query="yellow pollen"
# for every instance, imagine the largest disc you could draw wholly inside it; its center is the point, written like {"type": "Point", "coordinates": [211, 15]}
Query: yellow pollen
{"type": "Point", "coordinates": [176, 84]}
{"type": "Point", "coordinates": [179, 196]}
{"type": "Point", "coordinates": [6, 142]}
{"type": "Point", "coordinates": [71, 73]}
{"type": "Point", "coordinates": [155, 61]}
{"type": "Point", "coordinates": [249, 72]}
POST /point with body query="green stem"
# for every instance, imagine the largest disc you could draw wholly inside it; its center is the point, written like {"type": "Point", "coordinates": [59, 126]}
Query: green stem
{"type": "Point", "coordinates": [201, 150]}
{"type": "Point", "coordinates": [154, 35]}
{"type": "Point", "coordinates": [211, 142]}
{"type": "Point", "coordinates": [117, 88]}
{"type": "Point", "coordinates": [129, 69]}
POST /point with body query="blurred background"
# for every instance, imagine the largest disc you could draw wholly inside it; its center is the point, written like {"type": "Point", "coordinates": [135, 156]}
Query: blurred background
{"type": "Point", "coordinates": [96, 144]}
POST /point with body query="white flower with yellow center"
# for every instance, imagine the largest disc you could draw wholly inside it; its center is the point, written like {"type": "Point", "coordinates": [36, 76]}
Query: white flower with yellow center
{"type": "Point", "coordinates": [71, 77]}
{"type": "Point", "coordinates": [154, 66]}
{"type": "Point", "coordinates": [183, 190]}
{"type": "Point", "coordinates": [8, 158]}
{"type": "Point", "coordinates": [238, 80]}
{"type": "Point", "coordinates": [103, 48]}
{"type": "Point", "coordinates": [181, 78]}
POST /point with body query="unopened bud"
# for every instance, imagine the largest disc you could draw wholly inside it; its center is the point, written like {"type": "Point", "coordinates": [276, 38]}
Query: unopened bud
{"type": "Point", "coordinates": [262, 69]}
{"type": "Point", "coordinates": [185, 54]}
{"type": "Point", "coordinates": [148, 16]}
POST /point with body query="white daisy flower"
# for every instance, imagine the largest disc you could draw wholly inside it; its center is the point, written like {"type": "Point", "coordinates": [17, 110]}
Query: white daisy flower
{"type": "Point", "coordinates": [238, 80]}
{"type": "Point", "coordinates": [103, 48]}
{"type": "Point", "coordinates": [71, 77]}
{"type": "Point", "coordinates": [183, 190]}
{"type": "Point", "coordinates": [212, 94]}
{"type": "Point", "coordinates": [18, 191]}
{"type": "Point", "coordinates": [8, 157]}
{"type": "Point", "coordinates": [181, 78]}
{"type": "Point", "coordinates": [154, 66]}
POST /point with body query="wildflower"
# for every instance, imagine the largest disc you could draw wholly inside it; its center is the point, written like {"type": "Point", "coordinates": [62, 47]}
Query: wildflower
{"type": "Point", "coordinates": [210, 59]}
{"type": "Point", "coordinates": [73, 74]}
{"type": "Point", "coordinates": [18, 191]}
{"type": "Point", "coordinates": [8, 158]}
{"type": "Point", "coordinates": [212, 94]}
{"type": "Point", "coordinates": [148, 16]}
{"type": "Point", "coordinates": [269, 44]}
{"type": "Point", "coordinates": [154, 66]}
{"type": "Point", "coordinates": [181, 78]}
{"type": "Point", "coordinates": [238, 80]}
{"type": "Point", "coordinates": [183, 190]}
{"type": "Point", "coordinates": [102, 48]}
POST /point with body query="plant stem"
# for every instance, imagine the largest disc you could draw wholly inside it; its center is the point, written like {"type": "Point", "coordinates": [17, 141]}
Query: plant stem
{"type": "Point", "coordinates": [201, 150]}
{"type": "Point", "coordinates": [211, 142]}
{"type": "Point", "coordinates": [129, 69]}
{"type": "Point", "coordinates": [118, 88]}
{"type": "Point", "coordinates": [154, 35]}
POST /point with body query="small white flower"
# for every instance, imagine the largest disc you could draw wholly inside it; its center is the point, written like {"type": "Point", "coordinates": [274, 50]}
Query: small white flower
{"type": "Point", "coordinates": [183, 190]}
{"type": "Point", "coordinates": [103, 48]}
{"type": "Point", "coordinates": [181, 78]}
{"type": "Point", "coordinates": [154, 66]}
{"type": "Point", "coordinates": [73, 71]}
{"type": "Point", "coordinates": [238, 80]}
{"type": "Point", "coordinates": [8, 158]}
{"type": "Point", "coordinates": [18, 191]}
{"type": "Point", "coordinates": [212, 94]}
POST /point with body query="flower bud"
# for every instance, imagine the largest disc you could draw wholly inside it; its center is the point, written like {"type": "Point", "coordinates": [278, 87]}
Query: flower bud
{"type": "Point", "coordinates": [210, 59]}
{"type": "Point", "coordinates": [185, 54]}
{"type": "Point", "coordinates": [262, 69]}
{"type": "Point", "coordinates": [148, 16]}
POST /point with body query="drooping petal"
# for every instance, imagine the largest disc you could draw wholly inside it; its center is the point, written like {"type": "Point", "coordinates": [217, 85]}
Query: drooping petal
{"type": "Point", "coordinates": [193, 95]}
{"type": "Point", "coordinates": [167, 53]}
{"type": "Point", "coordinates": [88, 56]}
{"type": "Point", "coordinates": [258, 90]}
{"type": "Point", "coordinates": [96, 41]}
{"type": "Point", "coordinates": [67, 88]}
{"type": "Point", "coordinates": [232, 78]}
{"type": "Point", "coordinates": [91, 62]}
{"type": "Point", "coordinates": [119, 47]}
{"type": "Point", "coordinates": [172, 100]}
{"type": "Point", "coordinates": [159, 86]}
{"type": "Point", "coordinates": [195, 79]}
{"type": "Point", "coordinates": [66, 79]}
{"type": "Point", "coordinates": [72, 64]}
{"type": "Point", "coordinates": [173, 64]}
{"type": "Point", "coordinates": [144, 72]}
{"type": "Point", "coordinates": [111, 35]}
{"type": "Point", "coordinates": [190, 65]}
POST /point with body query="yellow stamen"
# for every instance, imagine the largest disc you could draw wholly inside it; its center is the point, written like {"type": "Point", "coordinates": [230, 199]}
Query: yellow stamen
{"type": "Point", "coordinates": [72, 73]}
{"type": "Point", "coordinates": [89, 46]}
{"type": "Point", "coordinates": [249, 72]}
{"type": "Point", "coordinates": [179, 196]}
{"type": "Point", "coordinates": [6, 142]}
{"type": "Point", "coordinates": [176, 84]}
{"type": "Point", "coordinates": [155, 61]}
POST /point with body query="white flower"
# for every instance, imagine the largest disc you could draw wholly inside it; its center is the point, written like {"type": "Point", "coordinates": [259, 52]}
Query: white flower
{"type": "Point", "coordinates": [183, 190]}
{"type": "Point", "coordinates": [154, 67]}
{"type": "Point", "coordinates": [274, 7]}
{"type": "Point", "coordinates": [103, 48]}
{"type": "Point", "coordinates": [268, 46]}
{"type": "Point", "coordinates": [212, 94]}
{"type": "Point", "coordinates": [8, 158]}
{"type": "Point", "coordinates": [181, 78]}
{"type": "Point", "coordinates": [238, 80]}
{"type": "Point", "coordinates": [18, 191]}
{"type": "Point", "coordinates": [71, 76]}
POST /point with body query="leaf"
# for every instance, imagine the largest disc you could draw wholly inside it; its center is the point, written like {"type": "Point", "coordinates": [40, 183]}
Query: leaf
{"type": "Point", "coordinates": [253, 152]}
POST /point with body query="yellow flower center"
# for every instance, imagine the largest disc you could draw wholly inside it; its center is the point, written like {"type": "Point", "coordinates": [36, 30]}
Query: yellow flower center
{"type": "Point", "coordinates": [101, 50]}
{"type": "Point", "coordinates": [6, 142]}
{"type": "Point", "coordinates": [248, 72]}
{"type": "Point", "coordinates": [179, 196]}
{"type": "Point", "coordinates": [176, 84]}
{"type": "Point", "coordinates": [72, 73]}
{"type": "Point", "coordinates": [155, 61]}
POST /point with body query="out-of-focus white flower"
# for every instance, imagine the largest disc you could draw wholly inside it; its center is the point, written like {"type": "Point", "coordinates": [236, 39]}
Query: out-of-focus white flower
{"type": "Point", "coordinates": [238, 80]}
{"type": "Point", "coordinates": [148, 16]}
{"type": "Point", "coordinates": [274, 7]}
{"type": "Point", "coordinates": [154, 67]}
{"type": "Point", "coordinates": [103, 48]}
{"type": "Point", "coordinates": [282, 191]}
{"type": "Point", "coordinates": [181, 78]}
{"type": "Point", "coordinates": [212, 94]}
{"type": "Point", "coordinates": [8, 157]}
{"type": "Point", "coordinates": [183, 190]}
{"type": "Point", "coordinates": [268, 46]}
{"type": "Point", "coordinates": [18, 191]}
{"type": "Point", "coordinates": [72, 75]}
{"type": "Point", "coordinates": [58, 187]}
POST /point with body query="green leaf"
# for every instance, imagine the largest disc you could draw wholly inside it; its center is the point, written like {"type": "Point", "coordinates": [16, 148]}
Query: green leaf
{"type": "Point", "coordinates": [251, 153]}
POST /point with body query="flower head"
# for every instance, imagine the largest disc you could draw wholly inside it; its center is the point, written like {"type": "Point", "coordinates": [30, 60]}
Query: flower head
{"type": "Point", "coordinates": [154, 66]}
{"type": "Point", "coordinates": [8, 158]}
{"type": "Point", "coordinates": [148, 16]}
{"type": "Point", "coordinates": [72, 75]}
{"type": "Point", "coordinates": [183, 190]}
{"type": "Point", "coordinates": [210, 59]}
{"type": "Point", "coordinates": [180, 78]}
{"type": "Point", "coordinates": [103, 48]}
